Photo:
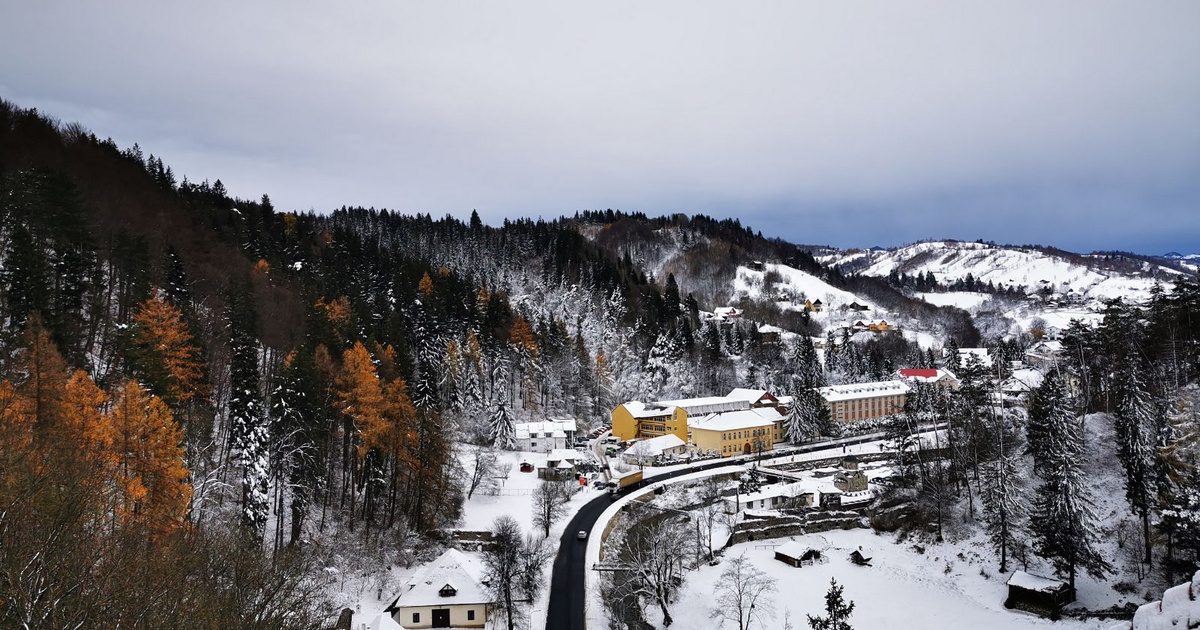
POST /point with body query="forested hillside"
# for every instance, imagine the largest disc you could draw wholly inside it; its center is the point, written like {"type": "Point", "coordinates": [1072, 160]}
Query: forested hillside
{"type": "Point", "coordinates": [288, 377]}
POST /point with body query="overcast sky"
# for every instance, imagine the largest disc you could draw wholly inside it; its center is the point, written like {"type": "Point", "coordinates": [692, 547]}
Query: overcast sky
{"type": "Point", "coordinates": [851, 123]}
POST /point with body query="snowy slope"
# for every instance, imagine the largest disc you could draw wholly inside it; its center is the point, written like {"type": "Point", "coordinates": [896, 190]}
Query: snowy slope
{"type": "Point", "coordinates": [795, 285]}
{"type": "Point", "coordinates": [1032, 268]}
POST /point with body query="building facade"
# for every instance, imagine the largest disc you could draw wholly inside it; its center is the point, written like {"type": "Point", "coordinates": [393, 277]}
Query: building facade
{"type": "Point", "coordinates": [864, 401]}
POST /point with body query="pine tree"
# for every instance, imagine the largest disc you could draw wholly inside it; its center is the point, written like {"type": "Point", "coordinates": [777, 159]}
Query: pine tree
{"type": "Point", "coordinates": [178, 285]}
{"type": "Point", "coordinates": [1135, 430]}
{"type": "Point", "coordinates": [1003, 504]}
{"type": "Point", "coordinates": [502, 429]}
{"type": "Point", "coordinates": [837, 611]}
{"type": "Point", "coordinates": [1063, 520]}
{"type": "Point", "coordinates": [248, 434]}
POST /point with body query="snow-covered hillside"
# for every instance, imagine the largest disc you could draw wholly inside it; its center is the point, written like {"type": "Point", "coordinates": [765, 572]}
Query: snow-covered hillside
{"type": "Point", "coordinates": [791, 287]}
{"type": "Point", "coordinates": [1089, 277]}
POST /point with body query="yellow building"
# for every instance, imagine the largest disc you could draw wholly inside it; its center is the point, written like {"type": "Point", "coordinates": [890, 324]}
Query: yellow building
{"type": "Point", "coordinates": [636, 419]}
{"type": "Point", "coordinates": [741, 432]}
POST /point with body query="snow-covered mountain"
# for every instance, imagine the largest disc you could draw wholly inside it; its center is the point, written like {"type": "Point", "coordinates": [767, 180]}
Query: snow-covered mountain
{"type": "Point", "coordinates": [1033, 269]}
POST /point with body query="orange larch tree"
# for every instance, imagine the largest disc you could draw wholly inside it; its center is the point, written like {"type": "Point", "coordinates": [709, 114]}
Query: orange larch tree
{"type": "Point", "coordinates": [152, 480]}
{"type": "Point", "coordinates": [43, 379]}
{"type": "Point", "coordinates": [165, 354]}
{"type": "Point", "coordinates": [358, 396]}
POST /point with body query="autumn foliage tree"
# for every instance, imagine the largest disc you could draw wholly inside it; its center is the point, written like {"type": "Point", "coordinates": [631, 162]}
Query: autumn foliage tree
{"type": "Point", "coordinates": [165, 355]}
{"type": "Point", "coordinates": [359, 399]}
{"type": "Point", "coordinates": [151, 478]}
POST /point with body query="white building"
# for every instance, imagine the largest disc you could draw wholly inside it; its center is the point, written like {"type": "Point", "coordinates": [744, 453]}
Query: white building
{"type": "Point", "coordinates": [806, 493]}
{"type": "Point", "coordinates": [754, 397]}
{"type": "Point", "coordinates": [447, 592]}
{"type": "Point", "coordinates": [543, 437]}
{"type": "Point", "coordinates": [644, 452]}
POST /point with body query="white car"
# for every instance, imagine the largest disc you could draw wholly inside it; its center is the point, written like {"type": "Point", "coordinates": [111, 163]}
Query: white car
{"type": "Point", "coordinates": [582, 535]}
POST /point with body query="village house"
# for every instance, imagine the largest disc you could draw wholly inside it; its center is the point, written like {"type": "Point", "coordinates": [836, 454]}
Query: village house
{"type": "Point", "coordinates": [636, 419]}
{"type": "Point", "coordinates": [739, 432]}
{"type": "Point", "coordinates": [769, 334]}
{"type": "Point", "coordinates": [858, 306]}
{"type": "Point", "coordinates": [809, 492]}
{"type": "Point", "coordinates": [447, 592]}
{"type": "Point", "coordinates": [543, 437]}
{"type": "Point", "coordinates": [813, 306]}
{"type": "Point", "coordinates": [930, 376]}
{"type": "Point", "coordinates": [864, 401]}
{"type": "Point", "coordinates": [560, 464]}
{"type": "Point", "coordinates": [754, 397]}
{"type": "Point", "coordinates": [1020, 384]}
{"type": "Point", "coordinates": [645, 452]}
{"type": "Point", "coordinates": [1044, 354]}
{"type": "Point", "coordinates": [727, 313]}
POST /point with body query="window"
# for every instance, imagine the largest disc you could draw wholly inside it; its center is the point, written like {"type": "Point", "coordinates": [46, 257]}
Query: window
{"type": "Point", "coordinates": [416, 617]}
{"type": "Point", "coordinates": [471, 615]}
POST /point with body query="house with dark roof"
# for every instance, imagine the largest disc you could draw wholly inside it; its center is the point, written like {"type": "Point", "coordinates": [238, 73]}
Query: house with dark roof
{"type": "Point", "coordinates": [446, 593]}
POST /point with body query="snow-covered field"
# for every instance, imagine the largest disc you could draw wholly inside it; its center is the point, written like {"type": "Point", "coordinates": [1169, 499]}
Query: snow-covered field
{"type": "Point", "coordinates": [902, 588]}
{"type": "Point", "coordinates": [512, 494]}
{"type": "Point", "coordinates": [966, 300]}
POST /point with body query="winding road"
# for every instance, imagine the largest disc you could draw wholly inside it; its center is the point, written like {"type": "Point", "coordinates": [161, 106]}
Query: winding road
{"type": "Point", "coordinates": [568, 592]}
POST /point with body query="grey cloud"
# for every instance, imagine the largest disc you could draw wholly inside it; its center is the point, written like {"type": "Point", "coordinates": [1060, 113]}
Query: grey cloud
{"type": "Point", "coordinates": [848, 123]}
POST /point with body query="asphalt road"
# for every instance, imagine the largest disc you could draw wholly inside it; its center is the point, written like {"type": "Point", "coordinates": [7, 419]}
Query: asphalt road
{"type": "Point", "coordinates": [568, 598]}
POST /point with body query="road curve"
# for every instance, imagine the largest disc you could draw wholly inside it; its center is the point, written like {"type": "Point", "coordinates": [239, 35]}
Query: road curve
{"type": "Point", "coordinates": [568, 595]}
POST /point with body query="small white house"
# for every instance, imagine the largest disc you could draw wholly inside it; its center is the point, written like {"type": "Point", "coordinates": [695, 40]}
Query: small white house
{"type": "Point", "coordinates": [806, 493]}
{"type": "Point", "coordinates": [543, 437]}
{"type": "Point", "coordinates": [447, 592]}
{"type": "Point", "coordinates": [644, 452]}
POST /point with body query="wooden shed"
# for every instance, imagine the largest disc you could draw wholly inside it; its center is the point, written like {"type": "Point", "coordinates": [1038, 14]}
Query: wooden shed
{"type": "Point", "coordinates": [1038, 594]}
{"type": "Point", "coordinates": [798, 554]}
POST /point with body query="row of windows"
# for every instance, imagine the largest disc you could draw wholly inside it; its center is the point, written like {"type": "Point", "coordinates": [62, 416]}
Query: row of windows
{"type": "Point", "coordinates": [739, 435]}
{"type": "Point", "coordinates": [470, 616]}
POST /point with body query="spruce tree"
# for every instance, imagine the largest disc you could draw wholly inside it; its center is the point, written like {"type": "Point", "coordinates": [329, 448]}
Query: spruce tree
{"type": "Point", "coordinates": [837, 610]}
{"type": "Point", "coordinates": [1135, 429]}
{"type": "Point", "coordinates": [1062, 519]}
{"type": "Point", "coordinates": [248, 425]}
{"type": "Point", "coordinates": [502, 429]}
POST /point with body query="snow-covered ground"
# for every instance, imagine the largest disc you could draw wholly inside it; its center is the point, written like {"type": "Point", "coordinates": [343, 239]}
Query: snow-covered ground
{"type": "Point", "coordinates": [967, 300]}
{"type": "Point", "coordinates": [902, 588]}
{"type": "Point", "coordinates": [799, 284]}
{"type": "Point", "coordinates": [512, 494]}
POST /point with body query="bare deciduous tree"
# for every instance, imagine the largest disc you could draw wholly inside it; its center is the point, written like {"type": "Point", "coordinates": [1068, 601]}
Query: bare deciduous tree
{"type": "Point", "coordinates": [481, 469]}
{"type": "Point", "coordinates": [744, 594]}
{"type": "Point", "coordinates": [655, 553]}
{"type": "Point", "coordinates": [550, 504]}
